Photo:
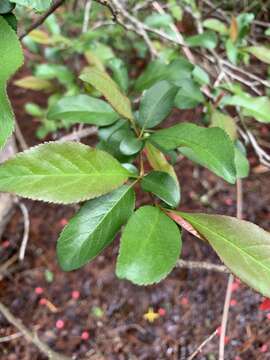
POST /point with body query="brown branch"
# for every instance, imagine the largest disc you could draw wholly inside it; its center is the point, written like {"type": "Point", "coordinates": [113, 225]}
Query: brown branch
{"type": "Point", "coordinates": [202, 265]}
{"type": "Point", "coordinates": [29, 336]}
{"type": "Point", "coordinates": [42, 18]}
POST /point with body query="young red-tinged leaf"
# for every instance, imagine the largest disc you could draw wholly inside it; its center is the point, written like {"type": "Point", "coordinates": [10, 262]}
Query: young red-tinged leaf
{"type": "Point", "coordinates": [149, 248]}
{"type": "Point", "coordinates": [11, 55]}
{"type": "Point", "coordinates": [210, 147]}
{"type": "Point", "coordinates": [109, 89]}
{"type": "Point", "coordinates": [175, 216]}
{"type": "Point", "coordinates": [243, 247]}
{"type": "Point", "coordinates": [64, 172]}
{"type": "Point", "coordinates": [94, 227]}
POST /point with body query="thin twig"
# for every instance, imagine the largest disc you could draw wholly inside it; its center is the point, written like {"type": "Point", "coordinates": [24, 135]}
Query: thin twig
{"type": "Point", "coordinates": [77, 135]}
{"type": "Point", "coordinates": [202, 265]}
{"type": "Point", "coordinates": [29, 336]}
{"type": "Point", "coordinates": [199, 349]}
{"type": "Point", "coordinates": [86, 18]}
{"type": "Point", "coordinates": [228, 296]}
{"type": "Point", "coordinates": [10, 337]}
{"type": "Point", "coordinates": [19, 136]}
{"type": "Point", "coordinates": [42, 18]}
{"type": "Point", "coordinates": [26, 221]}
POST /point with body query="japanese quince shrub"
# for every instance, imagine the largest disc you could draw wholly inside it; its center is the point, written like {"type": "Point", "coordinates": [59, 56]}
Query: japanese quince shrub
{"type": "Point", "coordinates": [103, 178]}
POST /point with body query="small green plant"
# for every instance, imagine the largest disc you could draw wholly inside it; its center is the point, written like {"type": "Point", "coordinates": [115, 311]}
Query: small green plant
{"type": "Point", "coordinates": [105, 177]}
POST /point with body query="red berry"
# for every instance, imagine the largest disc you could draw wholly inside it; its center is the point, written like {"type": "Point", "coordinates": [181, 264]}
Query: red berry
{"type": "Point", "coordinates": [228, 201]}
{"type": "Point", "coordinates": [235, 286]}
{"type": "Point", "coordinates": [39, 290]}
{"type": "Point", "coordinates": [184, 301]}
{"type": "Point", "coordinates": [43, 301]}
{"type": "Point", "coordinates": [268, 316]}
{"type": "Point", "coordinates": [59, 324]}
{"type": "Point", "coordinates": [265, 305]}
{"type": "Point", "coordinates": [63, 222]}
{"type": "Point", "coordinates": [233, 302]}
{"type": "Point", "coordinates": [161, 312]}
{"type": "Point", "coordinates": [75, 295]}
{"type": "Point", "coordinates": [263, 348]}
{"type": "Point", "coordinates": [85, 335]}
{"type": "Point", "coordinates": [5, 244]}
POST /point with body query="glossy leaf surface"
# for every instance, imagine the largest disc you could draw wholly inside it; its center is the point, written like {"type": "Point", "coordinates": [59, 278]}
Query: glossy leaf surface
{"type": "Point", "coordinates": [150, 246]}
{"type": "Point", "coordinates": [83, 109]}
{"type": "Point", "coordinates": [203, 145]}
{"type": "Point", "coordinates": [11, 55]}
{"type": "Point", "coordinates": [243, 247]}
{"type": "Point", "coordinates": [61, 173]}
{"type": "Point", "coordinates": [163, 186]}
{"type": "Point", "coordinates": [94, 227]}
{"type": "Point", "coordinates": [104, 84]}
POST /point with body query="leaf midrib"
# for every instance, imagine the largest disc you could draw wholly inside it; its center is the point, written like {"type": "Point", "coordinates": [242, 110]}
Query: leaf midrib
{"type": "Point", "coordinates": [205, 150]}
{"type": "Point", "coordinates": [233, 245]}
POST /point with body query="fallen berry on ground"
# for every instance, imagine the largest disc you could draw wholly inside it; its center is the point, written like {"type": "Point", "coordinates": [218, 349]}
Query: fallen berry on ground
{"type": "Point", "coordinates": [85, 335]}
{"type": "Point", "coordinates": [161, 311]}
{"type": "Point", "coordinates": [43, 301]}
{"type": "Point", "coordinates": [39, 290]}
{"type": "Point", "coordinates": [75, 295]}
{"type": "Point", "coordinates": [59, 324]}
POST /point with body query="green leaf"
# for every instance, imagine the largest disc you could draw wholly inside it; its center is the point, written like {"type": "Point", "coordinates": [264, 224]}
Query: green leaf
{"type": "Point", "coordinates": [225, 122]}
{"type": "Point", "coordinates": [241, 161]}
{"type": "Point", "coordinates": [130, 144]}
{"type": "Point", "coordinates": [34, 109]}
{"type": "Point", "coordinates": [210, 147]}
{"type": "Point", "coordinates": [157, 70]}
{"type": "Point", "coordinates": [38, 5]}
{"type": "Point", "coordinates": [54, 71]}
{"type": "Point", "coordinates": [216, 25]}
{"type": "Point", "coordinates": [94, 227]}
{"type": "Point", "coordinates": [11, 55]}
{"type": "Point", "coordinates": [207, 39]}
{"type": "Point", "coordinates": [120, 73]}
{"type": "Point", "coordinates": [158, 161]}
{"type": "Point", "coordinates": [243, 247]}
{"type": "Point", "coordinates": [163, 186]}
{"type": "Point", "coordinates": [257, 107]}
{"type": "Point", "coordinates": [104, 84]}
{"type": "Point", "coordinates": [6, 7]}
{"type": "Point", "coordinates": [62, 173]}
{"type": "Point", "coordinates": [189, 96]}
{"type": "Point", "coordinates": [260, 52]}
{"type": "Point", "coordinates": [11, 20]}
{"type": "Point", "coordinates": [156, 104]}
{"type": "Point", "coordinates": [200, 76]}
{"type": "Point", "coordinates": [83, 109]}
{"type": "Point", "coordinates": [149, 248]}
{"type": "Point", "coordinates": [231, 51]}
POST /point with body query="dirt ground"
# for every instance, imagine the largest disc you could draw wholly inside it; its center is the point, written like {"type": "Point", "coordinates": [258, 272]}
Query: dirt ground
{"type": "Point", "coordinates": [111, 311]}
